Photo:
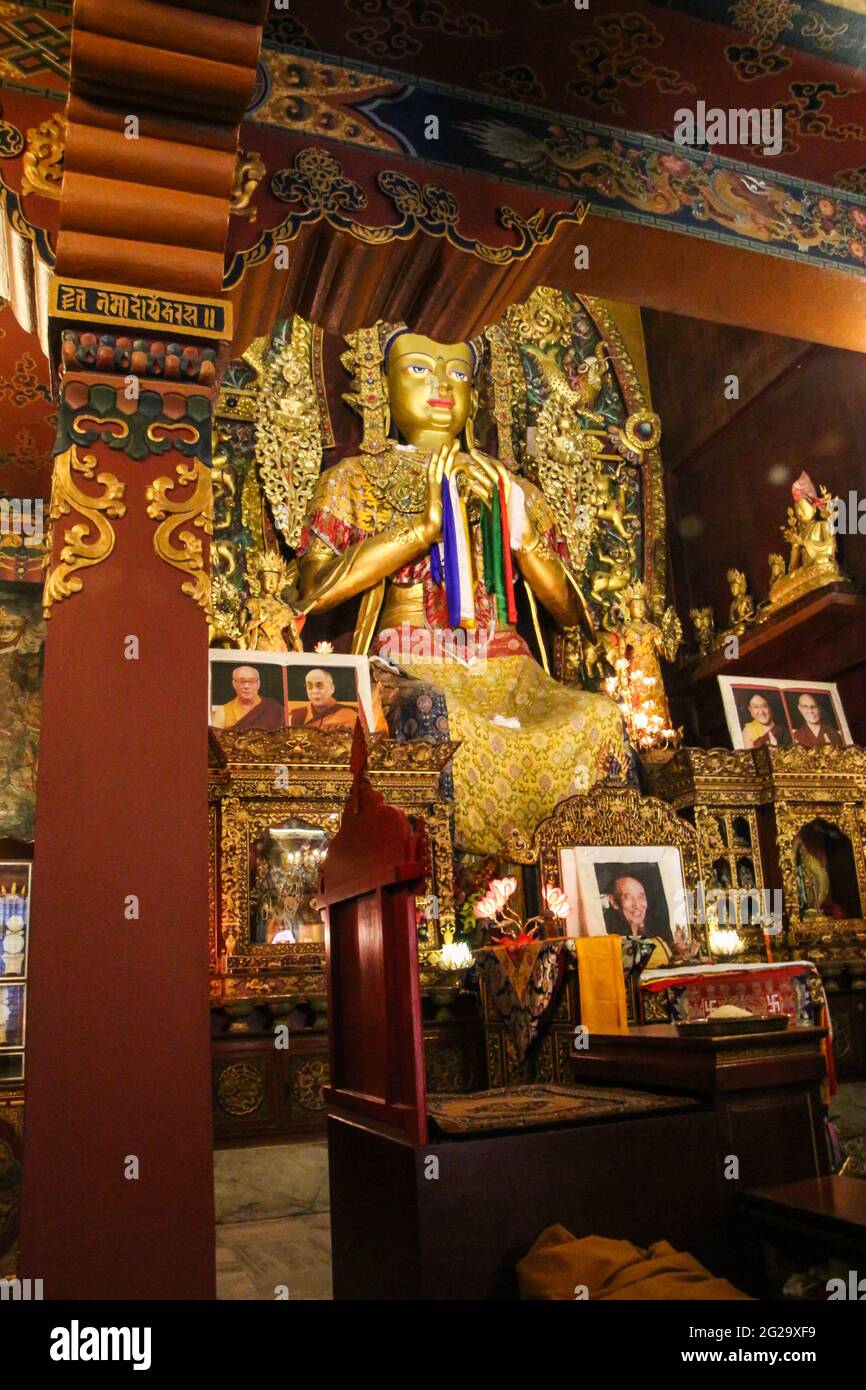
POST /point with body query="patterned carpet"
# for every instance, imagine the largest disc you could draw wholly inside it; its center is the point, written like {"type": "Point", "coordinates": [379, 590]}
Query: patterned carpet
{"type": "Point", "coordinates": [537, 1107]}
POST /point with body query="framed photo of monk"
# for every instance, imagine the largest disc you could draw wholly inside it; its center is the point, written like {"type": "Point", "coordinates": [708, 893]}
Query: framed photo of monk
{"type": "Point", "coordinates": [627, 891]}
{"type": "Point", "coordinates": [326, 691]}
{"type": "Point", "coordinates": [780, 713]}
{"type": "Point", "coordinates": [816, 715]}
{"type": "Point", "coordinates": [247, 691]}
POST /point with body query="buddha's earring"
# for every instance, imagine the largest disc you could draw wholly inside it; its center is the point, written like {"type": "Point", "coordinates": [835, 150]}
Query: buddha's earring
{"type": "Point", "coordinates": [469, 431]}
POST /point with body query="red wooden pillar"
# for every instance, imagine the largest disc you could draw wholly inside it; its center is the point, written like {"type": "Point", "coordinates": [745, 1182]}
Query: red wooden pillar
{"type": "Point", "coordinates": [118, 1189]}
{"type": "Point", "coordinates": [118, 1192]}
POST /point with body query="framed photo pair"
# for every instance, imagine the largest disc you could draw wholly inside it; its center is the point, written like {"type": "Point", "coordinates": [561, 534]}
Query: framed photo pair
{"type": "Point", "coordinates": [782, 714]}
{"type": "Point", "coordinates": [289, 690]}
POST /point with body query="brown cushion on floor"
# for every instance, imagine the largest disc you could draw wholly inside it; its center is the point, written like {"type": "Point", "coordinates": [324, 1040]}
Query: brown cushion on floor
{"type": "Point", "coordinates": [536, 1107]}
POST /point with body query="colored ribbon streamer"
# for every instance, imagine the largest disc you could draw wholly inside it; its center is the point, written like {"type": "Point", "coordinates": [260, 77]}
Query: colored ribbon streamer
{"type": "Point", "coordinates": [457, 564]}
{"type": "Point", "coordinates": [496, 549]}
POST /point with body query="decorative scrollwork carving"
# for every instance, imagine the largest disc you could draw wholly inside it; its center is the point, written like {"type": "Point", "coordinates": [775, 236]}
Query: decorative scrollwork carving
{"type": "Point", "coordinates": [240, 1089]}
{"type": "Point", "coordinates": [43, 158]}
{"type": "Point", "coordinates": [308, 1081]}
{"type": "Point", "coordinates": [606, 816]}
{"type": "Point", "coordinates": [195, 509]}
{"type": "Point", "coordinates": [78, 552]}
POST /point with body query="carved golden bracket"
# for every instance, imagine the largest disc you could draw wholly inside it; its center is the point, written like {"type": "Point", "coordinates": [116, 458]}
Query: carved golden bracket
{"type": "Point", "coordinates": [79, 553]}
{"type": "Point", "coordinates": [43, 158]}
{"type": "Point", "coordinates": [184, 550]}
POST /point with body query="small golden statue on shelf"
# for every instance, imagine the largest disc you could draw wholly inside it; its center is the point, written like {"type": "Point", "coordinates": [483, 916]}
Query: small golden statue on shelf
{"type": "Point", "coordinates": [742, 610]}
{"type": "Point", "coordinates": [704, 624]}
{"type": "Point", "coordinates": [269, 618]}
{"type": "Point", "coordinates": [812, 537]}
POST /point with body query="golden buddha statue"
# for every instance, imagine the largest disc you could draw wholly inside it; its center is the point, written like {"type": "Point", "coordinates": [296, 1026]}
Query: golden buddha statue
{"type": "Point", "coordinates": [433, 536]}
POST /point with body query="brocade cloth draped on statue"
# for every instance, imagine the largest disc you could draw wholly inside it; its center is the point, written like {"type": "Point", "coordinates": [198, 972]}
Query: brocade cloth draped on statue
{"type": "Point", "coordinates": [511, 776]}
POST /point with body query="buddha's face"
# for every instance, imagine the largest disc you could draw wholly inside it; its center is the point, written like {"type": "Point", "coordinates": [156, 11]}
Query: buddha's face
{"type": "Point", "coordinates": [429, 387]}
{"type": "Point", "coordinates": [804, 508]}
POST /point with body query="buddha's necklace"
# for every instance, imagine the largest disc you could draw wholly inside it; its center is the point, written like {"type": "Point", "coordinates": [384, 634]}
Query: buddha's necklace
{"type": "Point", "coordinates": [399, 477]}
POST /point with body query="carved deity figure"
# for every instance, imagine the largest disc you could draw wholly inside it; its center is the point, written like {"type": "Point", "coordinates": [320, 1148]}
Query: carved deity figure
{"type": "Point", "coordinates": [269, 619]}
{"type": "Point", "coordinates": [704, 624]}
{"type": "Point", "coordinates": [809, 530]}
{"type": "Point", "coordinates": [644, 639]}
{"type": "Point", "coordinates": [811, 535]}
{"type": "Point", "coordinates": [434, 536]}
{"type": "Point", "coordinates": [742, 611]}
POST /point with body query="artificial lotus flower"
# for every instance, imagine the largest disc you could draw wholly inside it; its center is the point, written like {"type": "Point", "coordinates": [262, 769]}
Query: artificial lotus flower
{"type": "Point", "coordinates": [555, 900]}
{"type": "Point", "coordinates": [499, 890]}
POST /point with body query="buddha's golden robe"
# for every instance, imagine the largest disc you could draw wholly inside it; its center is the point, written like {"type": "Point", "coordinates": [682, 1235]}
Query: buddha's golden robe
{"type": "Point", "coordinates": [526, 741]}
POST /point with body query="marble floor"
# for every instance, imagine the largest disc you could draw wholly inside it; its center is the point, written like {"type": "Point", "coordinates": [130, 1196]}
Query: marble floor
{"type": "Point", "coordinates": [273, 1235]}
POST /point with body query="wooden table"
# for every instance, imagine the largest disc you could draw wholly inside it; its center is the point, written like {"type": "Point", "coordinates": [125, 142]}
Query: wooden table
{"type": "Point", "coordinates": [765, 1089]}
{"type": "Point", "coordinates": [798, 1225]}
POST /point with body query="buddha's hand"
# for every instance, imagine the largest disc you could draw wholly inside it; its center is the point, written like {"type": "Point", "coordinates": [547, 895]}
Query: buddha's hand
{"type": "Point", "coordinates": [475, 474]}
{"type": "Point", "coordinates": [523, 533]}
{"type": "Point", "coordinates": [438, 468]}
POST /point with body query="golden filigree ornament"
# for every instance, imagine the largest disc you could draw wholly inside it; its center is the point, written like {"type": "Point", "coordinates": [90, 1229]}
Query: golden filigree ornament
{"type": "Point", "coordinates": [398, 477]}
{"type": "Point", "coordinates": [642, 430]}
{"type": "Point", "coordinates": [364, 361]}
{"type": "Point", "coordinates": [567, 458]}
{"type": "Point", "coordinates": [508, 390]}
{"type": "Point", "coordinates": [184, 550]}
{"type": "Point", "coordinates": [544, 318]}
{"type": "Point", "coordinates": [288, 432]}
{"type": "Point", "coordinates": [42, 162]}
{"type": "Point", "coordinates": [91, 541]}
